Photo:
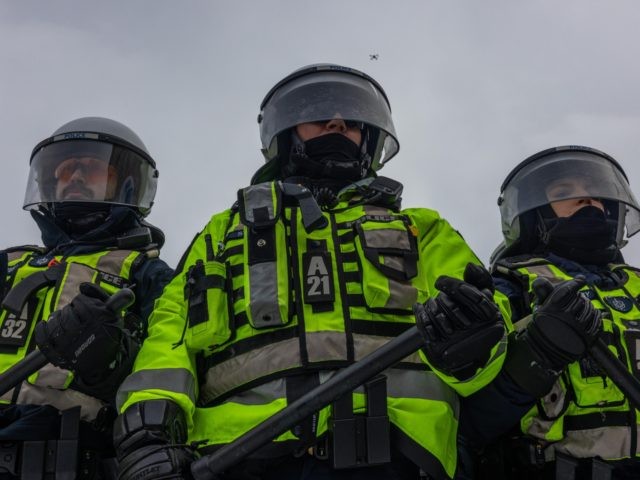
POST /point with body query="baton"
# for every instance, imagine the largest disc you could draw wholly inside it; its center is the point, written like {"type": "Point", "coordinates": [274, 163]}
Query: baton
{"type": "Point", "coordinates": [35, 360]}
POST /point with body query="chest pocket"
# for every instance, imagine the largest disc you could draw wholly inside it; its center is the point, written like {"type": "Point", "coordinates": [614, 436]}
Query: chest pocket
{"type": "Point", "coordinates": [389, 263]}
{"type": "Point", "coordinates": [208, 322]}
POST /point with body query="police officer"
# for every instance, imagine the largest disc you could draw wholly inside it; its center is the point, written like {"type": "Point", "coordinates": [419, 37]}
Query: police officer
{"type": "Point", "coordinates": [564, 214]}
{"type": "Point", "coordinates": [314, 267]}
{"type": "Point", "coordinates": [90, 186]}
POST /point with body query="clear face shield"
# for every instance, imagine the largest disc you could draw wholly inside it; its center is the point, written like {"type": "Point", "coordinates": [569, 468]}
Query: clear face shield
{"type": "Point", "coordinates": [564, 176]}
{"type": "Point", "coordinates": [327, 95]}
{"type": "Point", "coordinates": [90, 171]}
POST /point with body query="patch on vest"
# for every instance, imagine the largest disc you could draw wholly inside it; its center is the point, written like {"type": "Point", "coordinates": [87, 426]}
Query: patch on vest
{"type": "Point", "coordinates": [621, 304]}
{"type": "Point", "coordinates": [318, 277]}
{"type": "Point", "coordinates": [42, 260]}
{"type": "Point", "coordinates": [589, 294]}
{"type": "Point", "coordinates": [14, 331]}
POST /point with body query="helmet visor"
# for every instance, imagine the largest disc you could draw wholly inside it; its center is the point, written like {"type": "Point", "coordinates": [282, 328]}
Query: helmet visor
{"type": "Point", "coordinates": [324, 96]}
{"type": "Point", "coordinates": [90, 171]}
{"type": "Point", "coordinates": [567, 175]}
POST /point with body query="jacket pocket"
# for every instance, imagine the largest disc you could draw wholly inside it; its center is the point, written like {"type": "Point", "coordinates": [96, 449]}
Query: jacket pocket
{"type": "Point", "coordinates": [209, 322]}
{"type": "Point", "coordinates": [389, 264]}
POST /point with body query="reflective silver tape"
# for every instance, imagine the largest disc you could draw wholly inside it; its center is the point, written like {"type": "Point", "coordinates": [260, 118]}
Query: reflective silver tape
{"type": "Point", "coordinates": [263, 287]}
{"type": "Point", "coordinates": [177, 380]}
{"type": "Point", "coordinates": [258, 196]}
{"type": "Point", "coordinates": [244, 368]}
{"type": "Point", "coordinates": [113, 261]}
{"type": "Point", "coordinates": [76, 274]}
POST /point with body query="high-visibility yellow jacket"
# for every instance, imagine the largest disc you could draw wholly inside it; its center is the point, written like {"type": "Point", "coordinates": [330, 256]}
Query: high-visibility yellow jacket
{"type": "Point", "coordinates": [260, 299]}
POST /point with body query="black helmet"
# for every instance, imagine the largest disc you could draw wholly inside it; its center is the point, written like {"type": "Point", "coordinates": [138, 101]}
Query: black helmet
{"type": "Point", "coordinates": [109, 153]}
{"type": "Point", "coordinates": [323, 92]}
{"type": "Point", "coordinates": [526, 189]}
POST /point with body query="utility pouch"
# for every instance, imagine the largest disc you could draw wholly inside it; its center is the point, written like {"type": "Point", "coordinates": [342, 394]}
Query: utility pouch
{"type": "Point", "coordinates": [361, 440]}
{"type": "Point", "coordinates": [390, 262]}
{"type": "Point", "coordinates": [591, 387]}
{"type": "Point", "coordinates": [209, 322]}
{"type": "Point", "coordinates": [266, 280]}
{"type": "Point", "coordinates": [566, 467]}
{"type": "Point", "coordinates": [9, 458]}
{"type": "Point", "coordinates": [54, 458]}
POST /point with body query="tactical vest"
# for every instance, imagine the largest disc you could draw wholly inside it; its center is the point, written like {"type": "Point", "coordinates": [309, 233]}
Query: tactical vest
{"type": "Point", "coordinates": [585, 414]}
{"type": "Point", "coordinates": [36, 284]}
{"type": "Point", "coordinates": [273, 309]}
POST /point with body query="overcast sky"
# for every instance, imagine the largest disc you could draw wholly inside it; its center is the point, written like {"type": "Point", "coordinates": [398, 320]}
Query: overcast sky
{"type": "Point", "coordinates": [475, 87]}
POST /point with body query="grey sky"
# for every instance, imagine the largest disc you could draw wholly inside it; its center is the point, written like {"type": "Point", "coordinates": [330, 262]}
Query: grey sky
{"type": "Point", "coordinates": [475, 87]}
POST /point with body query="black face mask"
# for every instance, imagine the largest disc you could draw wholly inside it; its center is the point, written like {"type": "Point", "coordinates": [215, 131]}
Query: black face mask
{"type": "Point", "coordinates": [331, 156]}
{"type": "Point", "coordinates": [587, 236]}
{"type": "Point", "coordinates": [79, 217]}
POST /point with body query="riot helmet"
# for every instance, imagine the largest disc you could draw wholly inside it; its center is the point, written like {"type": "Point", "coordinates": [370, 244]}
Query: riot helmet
{"type": "Point", "coordinates": [532, 193]}
{"type": "Point", "coordinates": [91, 163]}
{"type": "Point", "coordinates": [320, 93]}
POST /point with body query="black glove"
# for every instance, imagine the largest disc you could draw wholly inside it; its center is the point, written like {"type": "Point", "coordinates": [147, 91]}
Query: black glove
{"type": "Point", "coordinates": [565, 324]}
{"type": "Point", "coordinates": [153, 462]}
{"type": "Point", "coordinates": [85, 336]}
{"type": "Point", "coordinates": [461, 324]}
{"type": "Point", "coordinates": [149, 440]}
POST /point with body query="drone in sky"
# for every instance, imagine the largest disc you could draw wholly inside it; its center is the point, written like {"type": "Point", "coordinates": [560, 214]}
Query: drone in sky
{"type": "Point", "coordinates": [373, 56]}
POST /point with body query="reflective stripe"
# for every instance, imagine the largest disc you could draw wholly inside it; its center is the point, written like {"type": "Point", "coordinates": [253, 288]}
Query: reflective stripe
{"type": "Point", "coordinates": [326, 346]}
{"type": "Point", "coordinates": [262, 394]}
{"type": "Point", "coordinates": [546, 272]}
{"type": "Point", "coordinates": [60, 399]}
{"type": "Point", "coordinates": [400, 384]}
{"type": "Point", "coordinates": [375, 210]}
{"type": "Point", "coordinates": [239, 370]}
{"type": "Point", "coordinates": [113, 261]}
{"type": "Point", "coordinates": [178, 380]}
{"type": "Point", "coordinates": [263, 278]}
{"type": "Point", "coordinates": [284, 355]}
{"type": "Point", "coordinates": [76, 274]}
{"type": "Point", "coordinates": [608, 443]}
{"type": "Point", "coordinates": [386, 237]}
{"type": "Point", "coordinates": [401, 294]}
{"type": "Point", "coordinates": [52, 376]}
{"type": "Point", "coordinates": [363, 345]}
{"type": "Point", "coordinates": [261, 195]}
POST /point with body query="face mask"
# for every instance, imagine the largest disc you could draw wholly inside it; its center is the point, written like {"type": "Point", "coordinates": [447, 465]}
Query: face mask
{"type": "Point", "coordinates": [587, 236]}
{"type": "Point", "coordinates": [331, 156]}
{"type": "Point", "coordinates": [79, 217]}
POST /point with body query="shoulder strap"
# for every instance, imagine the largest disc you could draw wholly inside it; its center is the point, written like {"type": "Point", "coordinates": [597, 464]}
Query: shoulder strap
{"type": "Point", "coordinates": [19, 294]}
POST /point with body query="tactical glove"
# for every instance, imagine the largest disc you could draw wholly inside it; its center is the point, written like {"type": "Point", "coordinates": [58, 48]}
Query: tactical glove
{"type": "Point", "coordinates": [85, 336]}
{"type": "Point", "coordinates": [564, 326]}
{"type": "Point", "coordinates": [153, 462]}
{"type": "Point", "coordinates": [149, 439]}
{"type": "Point", "coordinates": [461, 324]}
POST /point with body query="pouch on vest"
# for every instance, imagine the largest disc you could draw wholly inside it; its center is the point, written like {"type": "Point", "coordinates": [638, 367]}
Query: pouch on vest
{"type": "Point", "coordinates": [390, 262]}
{"type": "Point", "coordinates": [209, 322]}
{"type": "Point", "coordinates": [591, 386]}
{"type": "Point", "coordinates": [266, 279]}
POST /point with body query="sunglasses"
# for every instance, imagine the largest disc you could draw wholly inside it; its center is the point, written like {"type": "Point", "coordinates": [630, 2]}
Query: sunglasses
{"type": "Point", "coordinates": [93, 169]}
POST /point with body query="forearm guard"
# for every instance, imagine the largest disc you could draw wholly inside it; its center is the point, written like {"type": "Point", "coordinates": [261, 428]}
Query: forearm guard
{"type": "Point", "coordinates": [153, 422]}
